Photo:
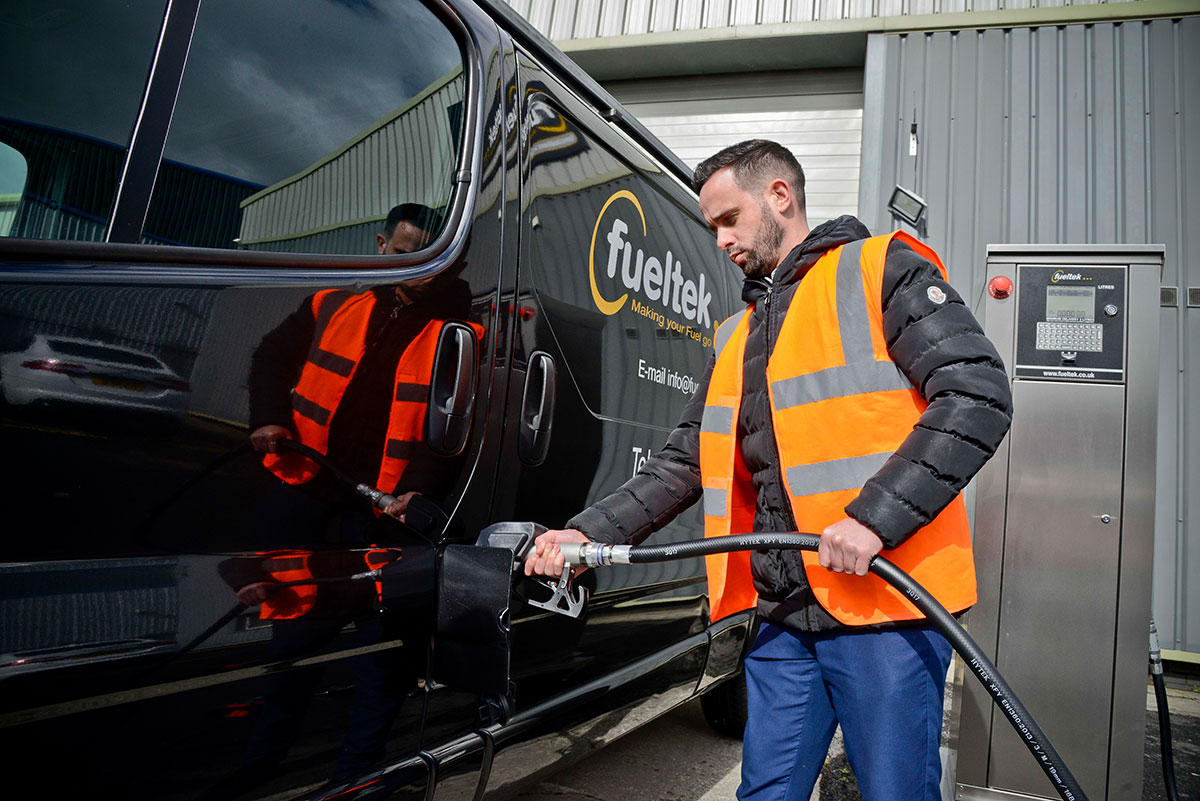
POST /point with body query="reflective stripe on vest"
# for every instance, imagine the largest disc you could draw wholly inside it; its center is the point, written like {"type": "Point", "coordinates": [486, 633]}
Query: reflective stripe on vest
{"type": "Point", "coordinates": [339, 343]}
{"type": "Point", "coordinates": [840, 408]}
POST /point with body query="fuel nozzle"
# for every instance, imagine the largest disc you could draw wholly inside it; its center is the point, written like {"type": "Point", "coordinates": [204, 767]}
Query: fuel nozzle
{"type": "Point", "coordinates": [565, 598]}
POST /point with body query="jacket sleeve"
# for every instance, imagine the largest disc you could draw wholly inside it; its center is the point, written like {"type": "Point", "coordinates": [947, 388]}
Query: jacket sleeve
{"type": "Point", "coordinates": [667, 483]}
{"type": "Point", "coordinates": [942, 350]}
{"type": "Point", "coordinates": [275, 367]}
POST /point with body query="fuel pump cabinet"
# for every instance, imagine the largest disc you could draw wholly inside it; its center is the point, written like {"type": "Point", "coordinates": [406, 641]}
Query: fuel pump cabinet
{"type": "Point", "coordinates": [1064, 518]}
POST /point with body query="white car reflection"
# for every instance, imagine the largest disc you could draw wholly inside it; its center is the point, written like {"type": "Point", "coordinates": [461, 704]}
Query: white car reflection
{"type": "Point", "coordinates": [65, 369]}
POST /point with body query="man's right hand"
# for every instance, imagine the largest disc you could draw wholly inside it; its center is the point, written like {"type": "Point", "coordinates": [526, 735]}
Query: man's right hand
{"type": "Point", "coordinates": [263, 439]}
{"type": "Point", "coordinates": [545, 558]}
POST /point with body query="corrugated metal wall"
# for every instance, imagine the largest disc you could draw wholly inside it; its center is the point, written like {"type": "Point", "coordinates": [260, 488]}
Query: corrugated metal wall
{"type": "Point", "coordinates": [587, 19]}
{"type": "Point", "coordinates": [1072, 134]}
{"type": "Point", "coordinates": [409, 155]}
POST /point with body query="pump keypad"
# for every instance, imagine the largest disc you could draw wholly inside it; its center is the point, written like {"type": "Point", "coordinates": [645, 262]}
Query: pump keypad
{"type": "Point", "coordinates": [1070, 336]}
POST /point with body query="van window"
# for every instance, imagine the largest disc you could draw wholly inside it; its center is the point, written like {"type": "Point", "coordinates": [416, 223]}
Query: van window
{"type": "Point", "coordinates": [301, 123]}
{"type": "Point", "coordinates": [74, 72]}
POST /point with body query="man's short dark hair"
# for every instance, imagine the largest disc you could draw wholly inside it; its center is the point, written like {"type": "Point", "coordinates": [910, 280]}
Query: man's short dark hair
{"type": "Point", "coordinates": [422, 217]}
{"type": "Point", "coordinates": [754, 163]}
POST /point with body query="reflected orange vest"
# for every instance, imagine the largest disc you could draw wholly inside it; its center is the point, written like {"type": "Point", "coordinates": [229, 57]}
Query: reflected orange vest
{"type": "Point", "coordinates": [287, 603]}
{"type": "Point", "coordinates": [840, 407]}
{"type": "Point", "coordinates": [338, 347]}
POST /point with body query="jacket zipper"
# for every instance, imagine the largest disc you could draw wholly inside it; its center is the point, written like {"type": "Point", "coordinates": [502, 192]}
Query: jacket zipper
{"type": "Point", "coordinates": [767, 307]}
{"type": "Point", "coordinates": [387, 321]}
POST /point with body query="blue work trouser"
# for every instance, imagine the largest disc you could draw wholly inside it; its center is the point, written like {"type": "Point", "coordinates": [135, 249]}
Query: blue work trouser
{"type": "Point", "coordinates": [885, 688]}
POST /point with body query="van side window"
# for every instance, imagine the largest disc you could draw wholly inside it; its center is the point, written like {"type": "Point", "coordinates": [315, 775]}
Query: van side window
{"type": "Point", "coordinates": [301, 123]}
{"type": "Point", "coordinates": [74, 72]}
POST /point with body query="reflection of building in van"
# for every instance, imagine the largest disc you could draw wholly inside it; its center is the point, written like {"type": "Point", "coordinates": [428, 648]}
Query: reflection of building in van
{"type": "Point", "coordinates": [337, 204]}
{"type": "Point", "coordinates": [71, 179]}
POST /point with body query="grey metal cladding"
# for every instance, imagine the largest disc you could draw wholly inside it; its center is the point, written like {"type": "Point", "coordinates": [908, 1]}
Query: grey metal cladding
{"type": "Point", "coordinates": [1062, 134]}
{"type": "Point", "coordinates": [586, 19]}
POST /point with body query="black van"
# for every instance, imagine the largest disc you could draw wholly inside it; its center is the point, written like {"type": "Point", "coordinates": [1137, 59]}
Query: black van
{"type": "Point", "coordinates": [186, 185]}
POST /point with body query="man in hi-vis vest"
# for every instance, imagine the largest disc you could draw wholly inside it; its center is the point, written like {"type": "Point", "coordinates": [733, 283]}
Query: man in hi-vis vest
{"type": "Point", "coordinates": [853, 397]}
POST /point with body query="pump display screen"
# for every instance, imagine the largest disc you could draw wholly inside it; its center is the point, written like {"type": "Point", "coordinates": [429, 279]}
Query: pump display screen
{"type": "Point", "coordinates": [1070, 304]}
{"type": "Point", "coordinates": [1070, 322]}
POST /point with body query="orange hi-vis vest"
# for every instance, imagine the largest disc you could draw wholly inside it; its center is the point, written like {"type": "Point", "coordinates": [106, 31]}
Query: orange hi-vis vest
{"type": "Point", "coordinates": [338, 347]}
{"type": "Point", "coordinates": [839, 407]}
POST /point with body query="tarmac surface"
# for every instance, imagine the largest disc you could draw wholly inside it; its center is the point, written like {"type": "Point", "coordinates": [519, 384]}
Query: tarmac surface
{"type": "Point", "coordinates": [679, 758]}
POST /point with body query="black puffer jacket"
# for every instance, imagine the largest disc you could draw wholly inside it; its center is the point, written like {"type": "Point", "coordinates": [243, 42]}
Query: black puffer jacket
{"type": "Point", "coordinates": [940, 347]}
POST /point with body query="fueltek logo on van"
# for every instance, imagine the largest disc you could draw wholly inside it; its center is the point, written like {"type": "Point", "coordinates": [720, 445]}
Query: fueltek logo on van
{"type": "Point", "coordinates": [661, 292]}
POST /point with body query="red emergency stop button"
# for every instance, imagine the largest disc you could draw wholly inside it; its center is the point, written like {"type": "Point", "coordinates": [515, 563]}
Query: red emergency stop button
{"type": "Point", "coordinates": [1000, 287]}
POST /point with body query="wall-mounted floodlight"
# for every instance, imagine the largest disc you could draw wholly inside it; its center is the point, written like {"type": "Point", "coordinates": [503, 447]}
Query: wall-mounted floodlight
{"type": "Point", "coordinates": [906, 205]}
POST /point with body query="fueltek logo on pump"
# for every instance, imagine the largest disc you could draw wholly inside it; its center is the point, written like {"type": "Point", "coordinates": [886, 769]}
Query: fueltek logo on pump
{"type": "Point", "coordinates": [661, 290]}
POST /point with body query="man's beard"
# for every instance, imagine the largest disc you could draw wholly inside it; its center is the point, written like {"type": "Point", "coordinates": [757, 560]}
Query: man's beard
{"type": "Point", "coordinates": [762, 255]}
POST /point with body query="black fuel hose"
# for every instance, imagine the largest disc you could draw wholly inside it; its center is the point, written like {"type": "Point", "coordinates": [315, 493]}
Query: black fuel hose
{"type": "Point", "coordinates": [1164, 715]}
{"type": "Point", "coordinates": [380, 499]}
{"type": "Point", "coordinates": [594, 554]}
{"type": "Point", "coordinates": [316, 456]}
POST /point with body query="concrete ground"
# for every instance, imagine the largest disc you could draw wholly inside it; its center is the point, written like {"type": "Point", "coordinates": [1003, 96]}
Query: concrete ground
{"type": "Point", "coordinates": [678, 758]}
{"type": "Point", "coordinates": [1183, 699]}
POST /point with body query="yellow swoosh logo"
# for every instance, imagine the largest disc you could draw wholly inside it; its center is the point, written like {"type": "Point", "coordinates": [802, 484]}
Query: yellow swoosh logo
{"type": "Point", "coordinates": [610, 306]}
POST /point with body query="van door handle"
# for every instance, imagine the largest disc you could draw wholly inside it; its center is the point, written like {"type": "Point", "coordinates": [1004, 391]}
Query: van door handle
{"type": "Point", "coordinates": [452, 390]}
{"type": "Point", "coordinates": [537, 408]}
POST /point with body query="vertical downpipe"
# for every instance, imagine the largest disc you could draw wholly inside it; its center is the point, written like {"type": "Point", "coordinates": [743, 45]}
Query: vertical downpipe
{"type": "Point", "coordinates": [1181, 349]}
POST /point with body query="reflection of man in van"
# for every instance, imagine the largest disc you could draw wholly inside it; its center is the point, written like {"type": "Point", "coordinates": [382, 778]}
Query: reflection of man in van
{"type": "Point", "coordinates": [347, 375]}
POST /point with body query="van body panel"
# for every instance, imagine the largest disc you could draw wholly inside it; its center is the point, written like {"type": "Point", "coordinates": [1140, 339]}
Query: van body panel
{"type": "Point", "coordinates": [136, 525]}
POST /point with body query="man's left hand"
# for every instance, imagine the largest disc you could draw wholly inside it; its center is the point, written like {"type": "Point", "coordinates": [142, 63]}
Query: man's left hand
{"type": "Point", "coordinates": [848, 547]}
{"type": "Point", "coordinates": [400, 507]}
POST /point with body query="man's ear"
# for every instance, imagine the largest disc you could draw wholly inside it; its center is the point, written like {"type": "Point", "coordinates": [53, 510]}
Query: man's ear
{"type": "Point", "coordinates": [778, 195]}
{"type": "Point", "coordinates": [379, 240]}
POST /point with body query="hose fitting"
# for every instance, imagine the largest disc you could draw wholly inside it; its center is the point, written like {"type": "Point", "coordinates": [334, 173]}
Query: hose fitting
{"type": "Point", "coordinates": [379, 499]}
{"type": "Point", "coordinates": [594, 554]}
